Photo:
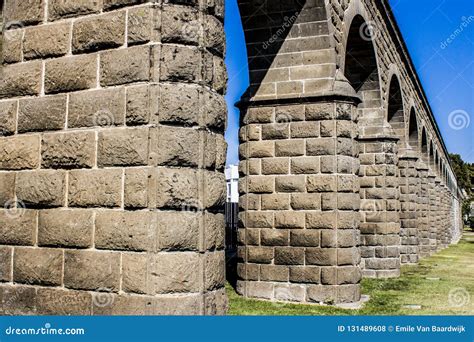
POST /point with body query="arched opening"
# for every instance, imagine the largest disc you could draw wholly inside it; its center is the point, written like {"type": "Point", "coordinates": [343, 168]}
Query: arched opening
{"type": "Point", "coordinates": [424, 145]}
{"type": "Point", "coordinates": [360, 67]}
{"type": "Point", "coordinates": [395, 116]}
{"type": "Point", "coordinates": [431, 155]}
{"type": "Point", "coordinates": [413, 131]}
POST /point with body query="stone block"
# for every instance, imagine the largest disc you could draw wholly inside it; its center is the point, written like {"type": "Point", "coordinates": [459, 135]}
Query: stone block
{"type": "Point", "coordinates": [6, 255]}
{"type": "Point", "coordinates": [305, 165]}
{"type": "Point", "coordinates": [306, 201]}
{"type": "Point", "coordinates": [181, 25]}
{"type": "Point", "coordinates": [321, 256]}
{"type": "Point", "coordinates": [165, 267]}
{"type": "Point", "coordinates": [92, 270]}
{"type": "Point", "coordinates": [124, 66]}
{"type": "Point", "coordinates": [65, 228]}
{"type": "Point", "coordinates": [68, 150]}
{"type": "Point", "coordinates": [322, 183]}
{"type": "Point", "coordinates": [22, 79]}
{"type": "Point", "coordinates": [274, 273]}
{"type": "Point", "coordinates": [99, 32]}
{"type": "Point", "coordinates": [305, 274]}
{"type": "Point", "coordinates": [173, 146]}
{"type": "Point", "coordinates": [42, 114]}
{"type": "Point", "coordinates": [70, 74]}
{"type": "Point", "coordinates": [178, 231]}
{"type": "Point", "coordinates": [305, 238]}
{"type": "Point", "coordinates": [177, 188]}
{"type": "Point", "coordinates": [180, 63]}
{"type": "Point", "coordinates": [46, 41]}
{"type": "Point", "coordinates": [41, 188]}
{"type": "Point", "coordinates": [274, 237]}
{"type": "Point", "coordinates": [275, 202]}
{"type": "Point", "coordinates": [18, 227]}
{"type": "Point", "coordinates": [128, 231]}
{"type": "Point", "coordinates": [290, 184]}
{"type": "Point", "coordinates": [136, 187]}
{"type": "Point", "coordinates": [104, 107]}
{"type": "Point", "coordinates": [135, 272]}
{"type": "Point", "coordinates": [12, 46]}
{"type": "Point", "coordinates": [7, 189]}
{"type": "Point", "coordinates": [38, 266]}
{"type": "Point", "coordinates": [275, 166]}
{"type": "Point", "coordinates": [140, 25]}
{"type": "Point", "coordinates": [58, 9]}
{"type": "Point", "coordinates": [289, 219]}
{"type": "Point", "coordinates": [96, 188]}
{"type": "Point", "coordinates": [214, 270]}
{"type": "Point", "coordinates": [123, 147]}
{"type": "Point", "coordinates": [289, 256]}
{"type": "Point", "coordinates": [52, 302]}
{"type": "Point", "coordinates": [259, 255]}
{"type": "Point", "coordinates": [8, 114]}
{"type": "Point", "coordinates": [27, 12]}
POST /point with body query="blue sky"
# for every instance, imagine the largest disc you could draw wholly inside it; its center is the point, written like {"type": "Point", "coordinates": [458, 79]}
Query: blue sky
{"type": "Point", "coordinates": [446, 68]}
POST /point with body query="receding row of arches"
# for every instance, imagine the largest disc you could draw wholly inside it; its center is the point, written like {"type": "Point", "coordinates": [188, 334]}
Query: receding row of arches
{"type": "Point", "coordinates": [362, 72]}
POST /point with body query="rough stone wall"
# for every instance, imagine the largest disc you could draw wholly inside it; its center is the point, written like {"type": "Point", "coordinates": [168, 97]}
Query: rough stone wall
{"type": "Point", "coordinates": [380, 208]}
{"type": "Point", "coordinates": [409, 211]}
{"type": "Point", "coordinates": [423, 210]}
{"type": "Point", "coordinates": [112, 157]}
{"type": "Point", "coordinates": [433, 212]}
{"type": "Point", "coordinates": [300, 201]}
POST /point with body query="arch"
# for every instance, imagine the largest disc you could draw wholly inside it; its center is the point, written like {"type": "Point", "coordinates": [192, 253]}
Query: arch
{"type": "Point", "coordinates": [413, 138]}
{"type": "Point", "coordinates": [424, 145]}
{"type": "Point", "coordinates": [395, 112]}
{"type": "Point", "coordinates": [431, 154]}
{"type": "Point", "coordinates": [360, 67]}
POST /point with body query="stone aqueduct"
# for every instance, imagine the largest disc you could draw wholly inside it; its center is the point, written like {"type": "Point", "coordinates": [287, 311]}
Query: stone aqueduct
{"type": "Point", "coordinates": [112, 119]}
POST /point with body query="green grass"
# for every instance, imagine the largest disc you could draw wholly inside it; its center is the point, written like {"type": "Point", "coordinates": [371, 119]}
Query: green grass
{"type": "Point", "coordinates": [453, 266]}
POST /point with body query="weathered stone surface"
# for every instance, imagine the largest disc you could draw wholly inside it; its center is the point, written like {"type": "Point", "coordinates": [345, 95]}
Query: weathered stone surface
{"type": "Point", "coordinates": [68, 150]}
{"type": "Point", "coordinates": [65, 228]}
{"type": "Point", "coordinates": [41, 188]}
{"type": "Point", "coordinates": [125, 65]}
{"type": "Point", "coordinates": [18, 226]}
{"type": "Point", "coordinates": [6, 254]}
{"type": "Point", "coordinates": [70, 74]}
{"type": "Point", "coordinates": [7, 188]}
{"type": "Point", "coordinates": [136, 187]}
{"type": "Point", "coordinates": [177, 188]}
{"type": "Point", "coordinates": [181, 25]}
{"type": "Point", "coordinates": [63, 302]}
{"type": "Point", "coordinates": [134, 272]}
{"type": "Point", "coordinates": [141, 23]}
{"type": "Point", "coordinates": [12, 46]}
{"type": "Point", "coordinates": [138, 105]}
{"type": "Point", "coordinates": [179, 231]}
{"type": "Point", "coordinates": [130, 231]}
{"type": "Point", "coordinates": [95, 188]}
{"type": "Point", "coordinates": [35, 266]}
{"type": "Point", "coordinates": [8, 110]}
{"type": "Point", "coordinates": [98, 32]}
{"type": "Point", "coordinates": [20, 80]}
{"type": "Point", "coordinates": [92, 270]}
{"type": "Point", "coordinates": [42, 114]}
{"type": "Point", "coordinates": [58, 9]}
{"type": "Point", "coordinates": [165, 266]}
{"type": "Point", "coordinates": [180, 63]}
{"type": "Point", "coordinates": [111, 4]}
{"type": "Point", "coordinates": [123, 147]}
{"type": "Point", "coordinates": [26, 12]}
{"type": "Point", "coordinates": [46, 41]}
{"type": "Point", "coordinates": [103, 108]}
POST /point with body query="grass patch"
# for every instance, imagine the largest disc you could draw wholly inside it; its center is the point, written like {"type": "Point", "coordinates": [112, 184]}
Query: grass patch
{"type": "Point", "coordinates": [428, 284]}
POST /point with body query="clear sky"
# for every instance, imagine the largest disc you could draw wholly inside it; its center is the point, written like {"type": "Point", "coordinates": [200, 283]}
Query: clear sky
{"type": "Point", "coordinates": [440, 38]}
